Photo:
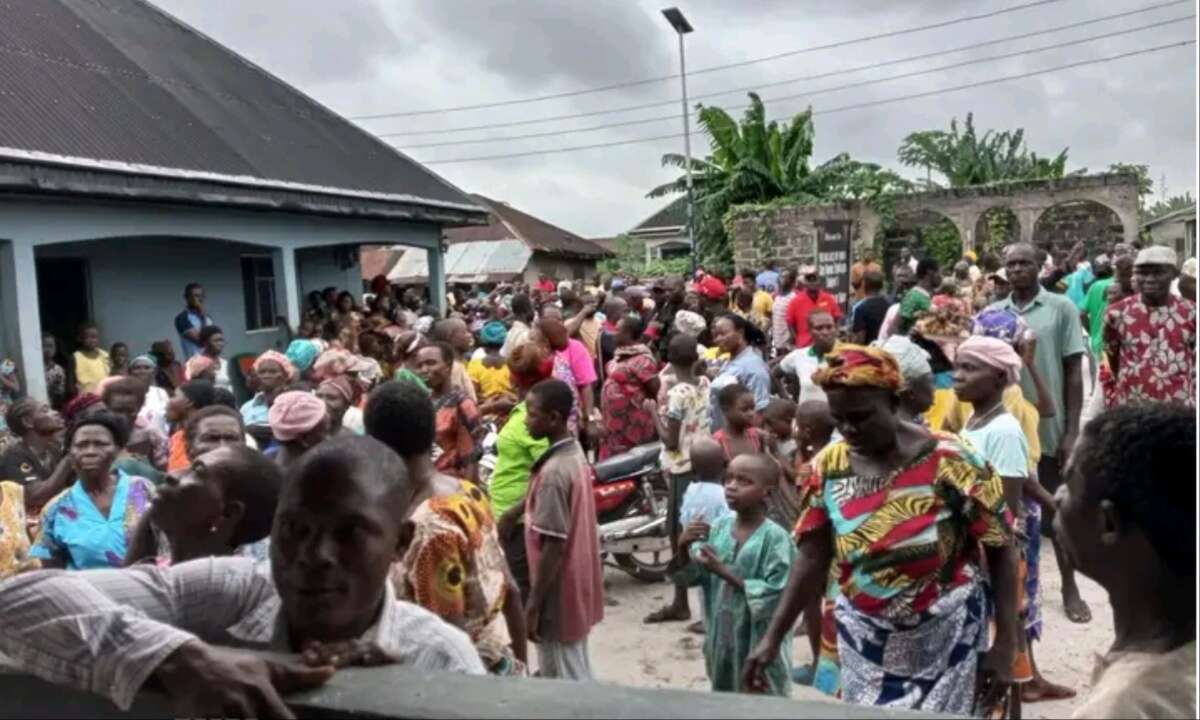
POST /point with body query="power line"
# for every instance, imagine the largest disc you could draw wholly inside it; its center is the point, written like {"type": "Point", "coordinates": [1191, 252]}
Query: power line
{"type": "Point", "coordinates": [829, 111]}
{"type": "Point", "coordinates": [715, 68]}
{"type": "Point", "coordinates": [819, 76]}
{"type": "Point", "coordinates": [820, 91]}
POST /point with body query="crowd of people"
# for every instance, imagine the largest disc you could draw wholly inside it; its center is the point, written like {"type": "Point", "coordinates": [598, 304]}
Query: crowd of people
{"type": "Point", "coordinates": [398, 485]}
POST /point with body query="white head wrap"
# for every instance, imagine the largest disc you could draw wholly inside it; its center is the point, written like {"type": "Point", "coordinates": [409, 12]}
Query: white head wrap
{"type": "Point", "coordinates": [689, 323]}
{"type": "Point", "coordinates": [912, 358]}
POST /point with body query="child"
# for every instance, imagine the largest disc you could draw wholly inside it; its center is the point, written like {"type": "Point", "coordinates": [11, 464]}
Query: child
{"type": "Point", "coordinates": [739, 434]}
{"type": "Point", "coordinates": [119, 359]}
{"type": "Point", "coordinates": [91, 363]}
{"type": "Point", "coordinates": [814, 430]}
{"type": "Point", "coordinates": [683, 421]}
{"type": "Point", "coordinates": [56, 376]}
{"type": "Point", "coordinates": [777, 419]}
{"type": "Point", "coordinates": [493, 382]}
{"type": "Point", "coordinates": [742, 570]}
{"type": "Point", "coordinates": [566, 595]}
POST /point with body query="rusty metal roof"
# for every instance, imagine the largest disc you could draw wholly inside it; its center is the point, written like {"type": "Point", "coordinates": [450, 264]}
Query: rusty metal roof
{"type": "Point", "coordinates": [117, 88]}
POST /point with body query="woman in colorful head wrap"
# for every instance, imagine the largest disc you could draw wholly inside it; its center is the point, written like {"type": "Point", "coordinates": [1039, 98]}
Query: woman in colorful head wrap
{"type": "Point", "coordinates": [154, 409]}
{"type": "Point", "coordinates": [272, 372]}
{"type": "Point", "coordinates": [902, 512]}
{"type": "Point", "coordinates": [940, 331]}
{"type": "Point", "coordinates": [493, 381]}
{"type": "Point", "coordinates": [302, 353]}
{"type": "Point", "coordinates": [299, 420]}
{"type": "Point", "coordinates": [201, 367]}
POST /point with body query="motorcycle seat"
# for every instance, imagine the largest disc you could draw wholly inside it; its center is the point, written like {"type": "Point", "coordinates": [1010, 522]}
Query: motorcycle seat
{"type": "Point", "coordinates": [628, 463]}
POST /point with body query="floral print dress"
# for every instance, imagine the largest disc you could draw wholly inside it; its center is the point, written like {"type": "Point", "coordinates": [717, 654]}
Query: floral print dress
{"type": "Point", "coordinates": [14, 540]}
{"type": "Point", "coordinates": [623, 401]}
{"type": "Point", "coordinates": [74, 531]}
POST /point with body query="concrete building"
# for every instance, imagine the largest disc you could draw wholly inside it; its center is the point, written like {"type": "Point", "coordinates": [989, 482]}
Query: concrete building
{"type": "Point", "coordinates": [513, 246]}
{"type": "Point", "coordinates": [665, 232]}
{"type": "Point", "coordinates": [1176, 230]}
{"type": "Point", "coordinates": [137, 155]}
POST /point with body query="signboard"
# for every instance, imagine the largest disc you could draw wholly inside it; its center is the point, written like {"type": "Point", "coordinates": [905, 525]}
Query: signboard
{"type": "Point", "coordinates": [833, 258]}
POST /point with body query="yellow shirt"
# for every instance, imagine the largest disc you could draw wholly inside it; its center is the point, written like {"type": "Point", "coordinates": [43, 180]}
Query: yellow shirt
{"type": "Point", "coordinates": [763, 304]}
{"type": "Point", "coordinates": [1016, 405]}
{"type": "Point", "coordinates": [90, 371]}
{"type": "Point", "coordinates": [491, 381]}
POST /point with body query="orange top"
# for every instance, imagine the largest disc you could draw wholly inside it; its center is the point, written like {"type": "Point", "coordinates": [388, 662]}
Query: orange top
{"type": "Point", "coordinates": [178, 459]}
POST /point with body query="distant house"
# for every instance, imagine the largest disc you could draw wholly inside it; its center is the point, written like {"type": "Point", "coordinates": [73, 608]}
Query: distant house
{"type": "Point", "coordinates": [512, 246]}
{"type": "Point", "coordinates": [1176, 230]}
{"type": "Point", "coordinates": [138, 155]}
{"type": "Point", "coordinates": [665, 232]}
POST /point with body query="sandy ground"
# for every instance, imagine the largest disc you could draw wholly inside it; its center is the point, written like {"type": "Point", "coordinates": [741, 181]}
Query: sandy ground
{"type": "Point", "coordinates": [627, 652]}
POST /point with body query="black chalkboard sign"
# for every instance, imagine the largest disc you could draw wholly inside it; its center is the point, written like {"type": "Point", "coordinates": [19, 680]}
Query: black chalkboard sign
{"type": "Point", "coordinates": [833, 258]}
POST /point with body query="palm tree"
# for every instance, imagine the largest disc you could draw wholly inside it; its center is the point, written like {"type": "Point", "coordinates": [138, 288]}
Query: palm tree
{"type": "Point", "coordinates": [968, 159]}
{"type": "Point", "coordinates": [754, 161]}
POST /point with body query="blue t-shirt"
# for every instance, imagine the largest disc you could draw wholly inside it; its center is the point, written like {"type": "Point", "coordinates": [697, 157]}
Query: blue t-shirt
{"type": "Point", "coordinates": [767, 280]}
{"type": "Point", "coordinates": [73, 530]}
{"type": "Point", "coordinates": [748, 369]}
{"type": "Point", "coordinates": [704, 501]}
{"type": "Point", "coordinates": [188, 320]}
{"type": "Point", "coordinates": [1002, 443]}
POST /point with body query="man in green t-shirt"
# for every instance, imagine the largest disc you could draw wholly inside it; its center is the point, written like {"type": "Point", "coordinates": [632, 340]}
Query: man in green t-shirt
{"type": "Point", "coordinates": [1096, 302]}
{"type": "Point", "coordinates": [917, 302]}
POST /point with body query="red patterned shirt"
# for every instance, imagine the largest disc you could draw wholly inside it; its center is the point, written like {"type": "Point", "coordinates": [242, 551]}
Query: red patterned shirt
{"type": "Point", "coordinates": [1154, 349]}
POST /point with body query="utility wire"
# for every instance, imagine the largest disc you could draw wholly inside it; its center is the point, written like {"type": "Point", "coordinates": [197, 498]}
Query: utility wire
{"type": "Point", "coordinates": [820, 91]}
{"type": "Point", "coordinates": [715, 68]}
{"type": "Point", "coordinates": [844, 108]}
{"type": "Point", "coordinates": [819, 76]}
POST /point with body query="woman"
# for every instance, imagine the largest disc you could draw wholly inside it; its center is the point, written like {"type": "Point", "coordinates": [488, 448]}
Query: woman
{"type": "Point", "coordinates": [455, 449]}
{"type": "Point", "coordinates": [916, 394]}
{"type": "Point", "coordinates": [201, 367]}
{"type": "Point", "coordinates": [154, 410]}
{"type": "Point", "coordinates": [490, 372]}
{"type": "Point", "coordinates": [212, 344]}
{"type": "Point", "coordinates": [35, 461]}
{"type": "Point", "coordinates": [344, 308]}
{"type": "Point", "coordinates": [222, 505]}
{"type": "Point", "coordinates": [735, 335]}
{"type": "Point", "coordinates": [272, 371]}
{"type": "Point", "coordinates": [631, 380]}
{"type": "Point", "coordinates": [939, 332]}
{"type": "Point", "coordinates": [168, 373]}
{"type": "Point", "coordinates": [298, 421]}
{"type": "Point", "coordinates": [90, 524]}
{"type": "Point", "coordinates": [188, 398]}
{"type": "Point", "coordinates": [453, 564]}
{"type": "Point", "coordinates": [339, 395]}
{"type": "Point", "coordinates": [572, 365]}
{"type": "Point", "coordinates": [903, 513]}
{"type": "Point", "coordinates": [14, 536]}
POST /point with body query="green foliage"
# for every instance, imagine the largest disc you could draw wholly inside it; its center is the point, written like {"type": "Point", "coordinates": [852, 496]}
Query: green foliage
{"type": "Point", "coordinates": [1145, 185]}
{"type": "Point", "coordinates": [965, 158]}
{"type": "Point", "coordinates": [631, 258]}
{"type": "Point", "coordinates": [1170, 205]}
{"type": "Point", "coordinates": [942, 242]}
{"type": "Point", "coordinates": [753, 162]}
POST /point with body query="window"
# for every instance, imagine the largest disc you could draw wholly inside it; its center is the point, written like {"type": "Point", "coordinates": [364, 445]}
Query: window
{"type": "Point", "coordinates": [258, 291]}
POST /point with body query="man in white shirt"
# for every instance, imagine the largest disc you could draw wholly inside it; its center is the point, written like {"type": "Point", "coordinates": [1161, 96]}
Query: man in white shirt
{"type": "Point", "coordinates": [325, 593]}
{"type": "Point", "coordinates": [803, 362]}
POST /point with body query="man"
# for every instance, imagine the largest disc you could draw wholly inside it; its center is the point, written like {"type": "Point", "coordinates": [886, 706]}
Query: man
{"type": "Point", "coordinates": [1150, 337]}
{"type": "Point", "coordinates": [903, 280]}
{"type": "Point", "coordinates": [1126, 516]}
{"type": "Point", "coordinates": [1092, 309]}
{"type": "Point", "coordinates": [615, 308]}
{"type": "Point", "coordinates": [762, 304]}
{"type": "Point", "coordinates": [455, 333]}
{"type": "Point", "coordinates": [189, 322]}
{"type": "Point", "coordinates": [1185, 285]}
{"type": "Point", "coordinates": [566, 596]}
{"type": "Point", "coordinates": [973, 271]}
{"type": "Point", "coordinates": [1058, 358]}
{"type": "Point", "coordinates": [1000, 287]}
{"type": "Point", "coordinates": [812, 298]}
{"type": "Point", "coordinates": [919, 300]}
{"type": "Point", "coordinates": [869, 312]}
{"type": "Point", "coordinates": [781, 339]}
{"type": "Point", "coordinates": [865, 264]}
{"type": "Point", "coordinates": [327, 594]}
{"type": "Point", "coordinates": [907, 258]}
{"type": "Point", "coordinates": [522, 314]}
{"type": "Point", "coordinates": [803, 362]}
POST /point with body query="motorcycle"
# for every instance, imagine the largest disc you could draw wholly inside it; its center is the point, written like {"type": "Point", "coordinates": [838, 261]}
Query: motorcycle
{"type": "Point", "coordinates": [630, 492]}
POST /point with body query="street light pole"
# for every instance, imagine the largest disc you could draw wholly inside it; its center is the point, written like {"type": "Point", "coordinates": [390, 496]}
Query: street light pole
{"type": "Point", "coordinates": [683, 27]}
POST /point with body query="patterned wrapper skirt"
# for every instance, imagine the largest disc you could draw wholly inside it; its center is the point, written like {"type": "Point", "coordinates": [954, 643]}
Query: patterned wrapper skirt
{"type": "Point", "coordinates": [927, 662]}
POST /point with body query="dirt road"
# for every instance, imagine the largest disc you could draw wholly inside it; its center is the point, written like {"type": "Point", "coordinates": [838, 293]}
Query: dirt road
{"type": "Point", "coordinates": [627, 652]}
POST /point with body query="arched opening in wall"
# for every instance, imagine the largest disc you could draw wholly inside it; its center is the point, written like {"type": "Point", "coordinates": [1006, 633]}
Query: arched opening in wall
{"type": "Point", "coordinates": [995, 229]}
{"type": "Point", "coordinates": [1059, 227]}
{"type": "Point", "coordinates": [925, 233]}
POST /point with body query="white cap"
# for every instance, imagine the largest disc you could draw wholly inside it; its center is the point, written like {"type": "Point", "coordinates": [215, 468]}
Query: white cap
{"type": "Point", "coordinates": [1157, 255]}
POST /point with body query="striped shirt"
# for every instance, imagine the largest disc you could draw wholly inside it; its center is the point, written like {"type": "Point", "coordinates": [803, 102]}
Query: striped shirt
{"type": "Point", "coordinates": [107, 631]}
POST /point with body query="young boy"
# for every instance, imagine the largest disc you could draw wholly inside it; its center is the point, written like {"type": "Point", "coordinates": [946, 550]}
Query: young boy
{"type": "Point", "coordinates": [777, 419]}
{"type": "Point", "coordinates": [742, 569]}
{"type": "Point", "coordinates": [91, 363]}
{"type": "Point", "coordinates": [684, 420]}
{"type": "Point", "coordinates": [739, 434]}
{"type": "Point", "coordinates": [566, 596]}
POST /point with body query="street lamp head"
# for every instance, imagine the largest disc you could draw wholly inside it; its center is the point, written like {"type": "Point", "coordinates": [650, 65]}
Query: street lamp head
{"type": "Point", "coordinates": [677, 20]}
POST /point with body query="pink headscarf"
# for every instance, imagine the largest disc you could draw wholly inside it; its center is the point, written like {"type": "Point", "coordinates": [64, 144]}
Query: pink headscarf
{"type": "Point", "coordinates": [279, 359]}
{"type": "Point", "coordinates": [334, 362]}
{"type": "Point", "coordinates": [342, 384]}
{"type": "Point", "coordinates": [295, 413]}
{"type": "Point", "coordinates": [993, 353]}
{"type": "Point", "coordinates": [197, 365]}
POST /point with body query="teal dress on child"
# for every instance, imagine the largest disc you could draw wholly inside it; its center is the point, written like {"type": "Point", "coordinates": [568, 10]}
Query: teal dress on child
{"type": "Point", "coordinates": [736, 620]}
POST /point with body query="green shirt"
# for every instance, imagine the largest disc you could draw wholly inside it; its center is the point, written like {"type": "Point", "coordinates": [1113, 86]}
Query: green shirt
{"type": "Point", "coordinates": [914, 303]}
{"type": "Point", "coordinates": [1094, 305]}
{"type": "Point", "coordinates": [516, 452]}
{"type": "Point", "coordinates": [1054, 319]}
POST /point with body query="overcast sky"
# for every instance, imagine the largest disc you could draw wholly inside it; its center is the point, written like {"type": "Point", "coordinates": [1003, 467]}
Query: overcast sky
{"type": "Point", "coordinates": [363, 57]}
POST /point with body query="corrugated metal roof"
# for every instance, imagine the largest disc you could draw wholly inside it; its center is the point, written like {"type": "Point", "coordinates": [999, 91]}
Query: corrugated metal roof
{"type": "Point", "coordinates": [469, 262]}
{"type": "Point", "coordinates": [1188, 213]}
{"type": "Point", "coordinates": [673, 215]}
{"type": "Point", "coordinates": [505, 222]}
{"type": "Point", "coordinates": [119, 81]}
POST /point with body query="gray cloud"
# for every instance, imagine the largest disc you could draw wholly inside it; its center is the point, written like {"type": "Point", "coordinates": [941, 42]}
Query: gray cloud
{"type": "Point", "coordinates": [374, 57]}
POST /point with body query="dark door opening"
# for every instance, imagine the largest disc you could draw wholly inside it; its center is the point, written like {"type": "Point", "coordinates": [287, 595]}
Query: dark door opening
{"type": "Point", "coordinates": [64, 300]}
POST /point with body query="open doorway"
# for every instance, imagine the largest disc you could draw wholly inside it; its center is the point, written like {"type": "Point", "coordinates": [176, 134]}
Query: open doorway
{"type": "Point", "coordinates": [64, 300]}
